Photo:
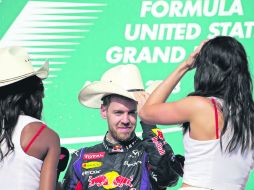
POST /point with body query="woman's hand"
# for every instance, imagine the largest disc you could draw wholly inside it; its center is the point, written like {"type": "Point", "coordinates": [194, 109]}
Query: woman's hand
{"type": "Point", "coordinates": [189, 62]}
{"type": "Point", "coordinates": [141, 97]}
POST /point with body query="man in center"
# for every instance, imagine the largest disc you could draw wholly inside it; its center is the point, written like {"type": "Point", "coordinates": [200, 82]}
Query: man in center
{"type": "Point", "coordinates": [122, 161]}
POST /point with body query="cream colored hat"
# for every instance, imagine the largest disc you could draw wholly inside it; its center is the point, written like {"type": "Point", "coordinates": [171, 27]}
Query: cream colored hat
{"type": "Point", "coordinates": [121, 80]}
{"type": "Point", "coordinates": [16, 65]}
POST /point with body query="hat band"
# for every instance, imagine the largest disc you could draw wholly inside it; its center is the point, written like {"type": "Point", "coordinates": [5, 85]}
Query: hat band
{"type": "Point", "coordinates": [134, 90]}
{"type": "Point", "coordinates": [15, 78]}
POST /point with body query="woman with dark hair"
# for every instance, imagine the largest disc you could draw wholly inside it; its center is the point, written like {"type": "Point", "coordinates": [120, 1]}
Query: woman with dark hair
{"type": "Point", "coordinates": [29, 150]}
{"type": "Point", "coordinates": [218, 117]}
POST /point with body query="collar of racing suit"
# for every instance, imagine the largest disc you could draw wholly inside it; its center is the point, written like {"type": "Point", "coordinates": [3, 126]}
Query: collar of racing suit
{"type": "Point", "coordinates": [120, 147]}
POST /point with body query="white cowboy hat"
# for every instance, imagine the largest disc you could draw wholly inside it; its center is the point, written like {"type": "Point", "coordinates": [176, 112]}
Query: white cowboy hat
{"type": "Point", "coordinates": [122, 80]}
{"type": "Point", "coordinates": [16, 65]}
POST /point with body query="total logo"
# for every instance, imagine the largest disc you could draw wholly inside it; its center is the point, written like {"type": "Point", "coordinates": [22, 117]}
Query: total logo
{"type": "Point", "coordinates": [93, 155]}
{"type": "Point", "coordinates": [110, 180]}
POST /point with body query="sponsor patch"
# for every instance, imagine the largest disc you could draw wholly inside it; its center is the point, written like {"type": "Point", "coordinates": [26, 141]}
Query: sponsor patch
{"type": "Point", "coordinates": [89, 165]}
{"type": "Point", "coordinates": [158, 145]}
{"type": "Point", "coordinates": [91, 172]}
{"type": "Point", "coordinates": [117, 148]}
{"type": "Point", "coordinates": [93, 156]}
{"type": "Point", "coordinates": [110, 180]}
{"type": "Point", "coordinates": [158, 133]}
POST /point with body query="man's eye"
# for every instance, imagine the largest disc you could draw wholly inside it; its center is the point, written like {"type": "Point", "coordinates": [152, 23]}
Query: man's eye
{"type": "Point", "coordinates": [133, 112]}
{"type": "Point", "coordinates": [118, 113]}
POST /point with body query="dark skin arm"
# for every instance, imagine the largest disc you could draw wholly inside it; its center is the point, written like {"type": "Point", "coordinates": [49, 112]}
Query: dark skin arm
{"type": "Point", "coordinates": [46, 147]}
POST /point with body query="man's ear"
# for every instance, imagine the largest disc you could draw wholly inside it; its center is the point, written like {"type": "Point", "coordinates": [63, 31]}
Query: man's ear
{"type": "Point", "coordinates": [103, 112]}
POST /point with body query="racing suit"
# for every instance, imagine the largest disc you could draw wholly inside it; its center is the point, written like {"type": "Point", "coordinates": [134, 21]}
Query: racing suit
{"type": "Point", "coordinates": [133, 165]}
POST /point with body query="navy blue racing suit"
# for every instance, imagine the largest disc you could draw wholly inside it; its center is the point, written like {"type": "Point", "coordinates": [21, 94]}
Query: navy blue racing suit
{"type": "Point", "coordinates": [134, 165]}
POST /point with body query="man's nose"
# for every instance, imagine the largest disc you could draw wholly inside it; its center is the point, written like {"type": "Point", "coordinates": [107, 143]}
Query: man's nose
{"type": "Point", "coordinates": [126, 118]}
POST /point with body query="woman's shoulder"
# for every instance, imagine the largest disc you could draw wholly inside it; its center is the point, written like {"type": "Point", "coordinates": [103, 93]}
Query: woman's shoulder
{"type": "Point", "coordinates": [202, 105]}
{"type": "Point", "coordinates": [45, 134]}
{"type": "Point", "coordinates": [198, 101]}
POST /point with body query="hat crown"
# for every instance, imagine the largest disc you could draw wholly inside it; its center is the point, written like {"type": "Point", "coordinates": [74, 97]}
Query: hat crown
{"type": "Point", "coordinates": [16, 65]}
{"type": "Point", "coordinates": [126, 77]}
{"type": "Point", "coordinates": [14, 62]}
{"type": "Point", "coordinates": [18, 52]}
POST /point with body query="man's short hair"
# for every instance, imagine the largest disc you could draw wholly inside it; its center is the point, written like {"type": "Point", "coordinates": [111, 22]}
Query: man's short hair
{"type": "Point", "coordinates": [106, 100]}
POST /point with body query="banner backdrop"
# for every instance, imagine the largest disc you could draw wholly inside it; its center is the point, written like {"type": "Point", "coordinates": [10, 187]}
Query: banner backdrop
{"type": "Point", "coordinates": [83, 38]}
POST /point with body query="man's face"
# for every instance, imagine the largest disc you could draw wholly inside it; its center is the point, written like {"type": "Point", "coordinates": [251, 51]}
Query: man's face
{"type": "Point", "coordinates": [121, 117]}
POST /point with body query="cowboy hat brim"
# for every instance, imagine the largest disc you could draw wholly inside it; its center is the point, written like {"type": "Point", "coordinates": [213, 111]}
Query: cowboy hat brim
{"type": "Point", "coordinates": [91, 95]}
{"type": "Point", "coordinates": [41, 73]}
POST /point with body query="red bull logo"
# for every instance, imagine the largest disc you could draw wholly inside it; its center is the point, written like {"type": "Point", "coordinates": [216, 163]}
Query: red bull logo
{"type": "Point", "coordinates": [158, 145]}
{"type": "Point", "coordinates": [117, 148]}
{"type": "Point", "coordinates": [158, 133]}
{"type": "Point", "coordinates": [119, 181]}
{"type": "Point", "coordinates": [98, 181]}
{"type": "Point", "coordinates": [110, 180]}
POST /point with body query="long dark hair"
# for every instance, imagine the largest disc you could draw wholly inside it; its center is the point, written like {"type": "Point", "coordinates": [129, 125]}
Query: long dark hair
{"type": "Point", "coordinates": [222, 71]}
{"type": "Point", "coordinates": [22, 97]}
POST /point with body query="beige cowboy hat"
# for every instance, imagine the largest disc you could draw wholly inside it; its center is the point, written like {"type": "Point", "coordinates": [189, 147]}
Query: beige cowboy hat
{"type": "Point", "coordinates": [122, 80]}
{"type": "Point", "coordinates": [16, 65]}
